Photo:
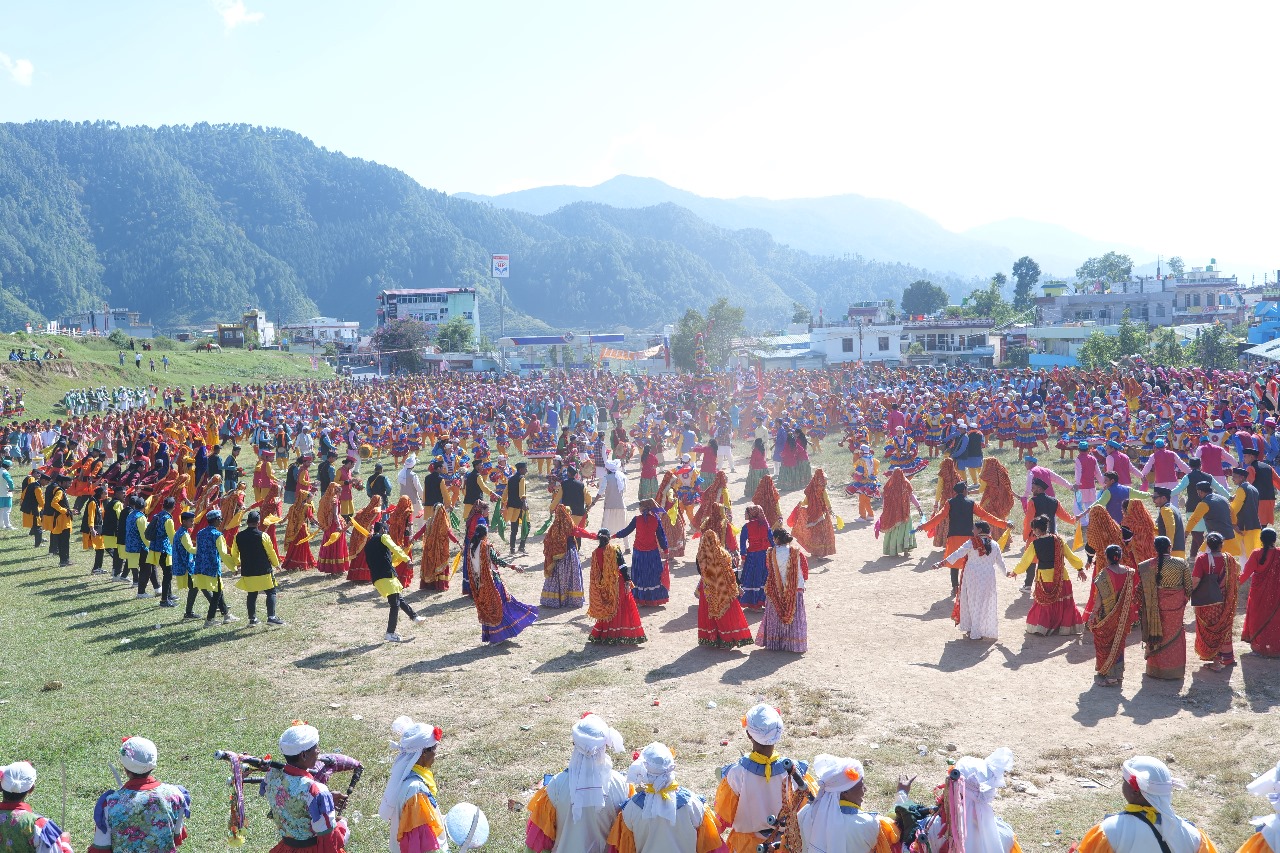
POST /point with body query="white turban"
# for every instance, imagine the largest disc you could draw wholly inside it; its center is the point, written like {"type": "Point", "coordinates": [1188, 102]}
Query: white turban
{"type": "Point", "coordinates": [18, 778]}
{"type": "Point", "coordinates": [297, 739]}
{"type": "Point", "coordinates": [982, 778]}
{"type": "Point", "coordinates": [822, 825]}
{"type": "Point", "coordinates": [764, 724]}
{"type": "Point", "coordinates": [660, 771]}
{"type": "Point", "coordinates": [466, 826]}
{"type": "Point", "coordinates": [590, 765]}
{"type": "Point", "coordinates": [412, 739]}
{"type": "Point", "coordinates": [139, 755]}
{"type": "Point", "coordinates": [1267, 785]}
{"type": "Point", "coordinates": [611, 466]}
{"type": "Point", "coordinates": [1152, 778]}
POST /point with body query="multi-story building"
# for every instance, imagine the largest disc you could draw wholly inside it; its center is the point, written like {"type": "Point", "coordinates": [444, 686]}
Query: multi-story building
{"type": "Point", "coordinates": [324, 330]}
{"type": "Point", "coordinates": [433, 306]}
{"type": "Point", "coordinates": [1146, 300]}
{"type": "Point", "coordinates": [106, 320]}
{"type": "Point", "coordinates": [1204, 295]}
{"type": "Point", "coordinates": [962, 340]}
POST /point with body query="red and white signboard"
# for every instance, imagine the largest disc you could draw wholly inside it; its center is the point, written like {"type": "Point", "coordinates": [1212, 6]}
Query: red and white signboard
{"type": "Point", "coordinates": [501, 266]}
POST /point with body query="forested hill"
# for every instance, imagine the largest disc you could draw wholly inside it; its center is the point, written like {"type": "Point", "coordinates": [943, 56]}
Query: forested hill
{"type": "Point", "coordinates": [190, 224]}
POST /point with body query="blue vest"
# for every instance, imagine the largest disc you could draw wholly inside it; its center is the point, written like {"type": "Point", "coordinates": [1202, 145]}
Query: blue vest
{"type": "Point", "coordinates": [132, 538]}
{"type": "Point", "coordinates": [160, 541]}
{"type": "Point", "coordinates": [208, 561]}
{"type": "Point", "coordinates": [184, 562]}
{"type": "Point", "coordinates": [1116, 496]}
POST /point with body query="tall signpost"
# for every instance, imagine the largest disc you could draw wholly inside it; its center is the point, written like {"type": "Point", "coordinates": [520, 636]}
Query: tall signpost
{"type": "Point", "coordinates": [500, 268]}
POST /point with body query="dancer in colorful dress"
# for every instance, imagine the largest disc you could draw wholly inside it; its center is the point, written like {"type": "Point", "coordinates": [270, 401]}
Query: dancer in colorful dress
{"type": "Point", "coordinates": [361, 525]}
{"type": "Point", "coordinates": [334, 558]}
{"type": "Point", "coordinates": [400, 529]}
{"type": "Point", "coordinates": [785, 627]}
{"type": "Point", "coordinates": [1215, 622]}
{"type": "Point", "coordinates": [436, 535]}
{"type": "Point", "coordinates": [561, 567]}
{"type": "Point", "coordinates": [812, 521]}
{"type": "Point", "coordinates": [144, 813]}
{"type": "Point", "coordinates": [754, 541]}
{"type": "Point", "coordinates": [721, 623]}
{"type": "Point", "coordinates": [21, 829]}
{"type": "Point", "coordinates": [297, 534]}
{"type": "Point", "coordinates": [304, 810]}
{"type": "Point", "coordinates": [651, 582]}
{"type": "Point", "coordinates": [611, 603]}
{"type": "Point", "coordinates": [866, 483]}
{"type": "Point", "coordinates": [1054, 609]}
{"type": "Point", "coordinates": [900, 454]}
{"type": "Point", "coordinates": [1114, 603]}
{"type": "Point", "coordinates": [895, 516]}
{"type": "Point", "coordinates": [648, 473]}
{"type": "Point", "coordinates": [383, 555]}
{"type": "Point", "coordinates": [211, 552]}
{"type": "Point", "coordinates": [411, 801]}
{"type": "Point", "coordinates": [663, 816]}
{"type": "Point", "coordinates": [976, 610]}
{"type": "Point", "coordinates": [1164, 585]}
{"type": "Point", "coordinates": [1261, 628]}
{"type": "Point", "coordinates": [757, 468]}
{"type": "Point", "coordinates": [767, 498]}
{"type": "Point", "coordinates": [575, 809]}
{"type": "Point", "coordinates": [501, 616]}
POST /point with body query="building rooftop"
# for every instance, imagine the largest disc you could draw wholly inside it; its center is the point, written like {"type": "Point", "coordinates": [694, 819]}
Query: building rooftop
{"type": "Point", "coordinates": [950, 323]}
{"type": "Point", "coordinates": [425, 290]}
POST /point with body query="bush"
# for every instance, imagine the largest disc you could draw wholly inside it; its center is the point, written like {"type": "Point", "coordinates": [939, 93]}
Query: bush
{"type": "Point", "coordinates": [161, 342]}
{"type": "Point", "coordinates": [119, 338]}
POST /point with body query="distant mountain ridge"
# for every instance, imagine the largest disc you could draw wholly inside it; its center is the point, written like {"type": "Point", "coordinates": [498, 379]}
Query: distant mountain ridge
{"type": "Point", "coordinates": [843, 224]}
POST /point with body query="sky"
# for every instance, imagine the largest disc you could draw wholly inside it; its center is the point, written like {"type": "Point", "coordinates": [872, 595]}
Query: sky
{"type": "Point", "coordinates": [1151, 124]}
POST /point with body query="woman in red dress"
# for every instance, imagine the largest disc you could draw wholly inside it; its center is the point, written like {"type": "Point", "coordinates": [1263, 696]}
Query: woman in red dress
{"type": "Point", "coordinates": [610, 602]}
{"type": "Point", "coordinates": [811, 520]}
{"type": "Point", "coordinates": [297, 534]}
{"type": "Point", "coordinates": [1215, 623]}
{"type": "Point", "coordinates": [721, 623]}
{"type": "Point", "coordinates": [1261, 625]}
{"type": "Point", "coordinates": [334, 559]}
{"type": "Point", "coordinates": [361, 526]}
{"type": "Point", "coordinates": [399, 522]}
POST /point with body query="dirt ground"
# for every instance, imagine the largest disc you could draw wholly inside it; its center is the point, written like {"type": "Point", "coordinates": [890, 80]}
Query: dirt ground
{"type": "Point", "coordinates": [888, 678]}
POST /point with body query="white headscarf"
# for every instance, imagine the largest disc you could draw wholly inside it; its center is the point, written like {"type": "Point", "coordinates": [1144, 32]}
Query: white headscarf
{"type": "Point", "coordinates": [613, 470]}
{"type": "Point", "coordinates": [660, 775]}
{"type": "Point", "coordinates": [590, 765]}
{"type": "Point", "coordinates": [764, 724]}
{"type": "Point", "coordinates": [1151, 777]}
{"type": "Point", "coordinates": [18, 778]}
{"type": "Point", "coordinates": [298, 738]}
{"type": "Point", "coordinates": [406, 476]}
{"type": "Point", "coordinates": [413, 738]}
{"type": "Point", "coordinates": [823, 828]}
{"type": "Point", "coordinates": [981, 781]}
{"type": "Point", "coordinates": [1267, 785]}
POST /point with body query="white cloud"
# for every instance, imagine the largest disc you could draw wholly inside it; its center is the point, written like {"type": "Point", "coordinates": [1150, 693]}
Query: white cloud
{"type": "Point", "coordinates": [21, 70]}
{"type": "Point", "coordinates": [234, 13]}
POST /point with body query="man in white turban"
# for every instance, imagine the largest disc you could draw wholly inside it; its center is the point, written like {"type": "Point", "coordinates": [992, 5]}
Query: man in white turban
{"type": "Point", "coordinates": [1148, 823]}
{"type": "Point", "coordinates": [835, 822]}
{"type": "Point", "coordinates": [21, 829]}
{"type": "Point", "coordinates": [304, 810]}
{"type": "Point", "coordinates": [575, 808]}
{"type": "Point", "coordinates": [1267, 838]}
{"type": "Point", "coordinates": [145, 814]}
{"type": "Point", "coordinates": [983, 831]}
{"type": "Point", "coordinates": [663, 817]}
{"type": "Point", "coordinates": [411, 801]}
{"type": "Point", "coordinates": [410, 486]}
{"type": "Point", "coordinates": [751, 788]}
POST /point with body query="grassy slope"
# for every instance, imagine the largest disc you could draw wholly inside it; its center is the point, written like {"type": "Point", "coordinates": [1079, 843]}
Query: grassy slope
{"type": "Point", "coordinates": [91, 363]}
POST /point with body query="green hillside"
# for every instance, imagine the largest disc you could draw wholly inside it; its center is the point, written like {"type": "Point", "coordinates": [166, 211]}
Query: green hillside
{"type": "Point", "coordinates": [189, 224]}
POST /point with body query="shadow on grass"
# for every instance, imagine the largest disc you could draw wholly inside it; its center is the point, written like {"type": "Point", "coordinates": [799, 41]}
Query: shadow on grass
{"type": "Point", "coordinates": [960, 654]}
{"type": "Point", "coordinates": [760, 663]}
{"type": "Point", "coordinates": [335, 657]}
{"type": "Point", "coordinates": [1261, 681]}
{"type": "Point", "coordinates": [695, 659]}
{"type": "Point", "coordinates": [460, 658]}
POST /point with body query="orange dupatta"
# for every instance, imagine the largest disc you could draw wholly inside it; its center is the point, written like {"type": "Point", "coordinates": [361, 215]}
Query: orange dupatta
{"type": "Point", "coordinates": [719, 585]}
{"type": "Point", "coordinates": [782, 598]}
{"type": "Point", "coordinates": [556, 543]}
{"type": "Point", "coordinates": [484, 592]}
{"type": "Point", "coordinates": [603, 602]}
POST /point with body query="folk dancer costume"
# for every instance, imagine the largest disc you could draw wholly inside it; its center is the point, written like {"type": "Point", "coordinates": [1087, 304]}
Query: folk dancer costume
{"type": "Point", "coordinates": [1149, 781]}
{"type": "Point", "coordinates": [1053, 610]}
{"type": "Point", "coordinates": [767, 498]}
{"type": "Point", "coordinates": [721, 623]}
{"type": "Point", "coordinates": [433, 570]}
{"type": "Point", "coordinates": [90, 530]}
{"type": "Point", "coordinates": [145, 814]}
{"type": "Point", "coordinates": [410, 803]}
{"type": "Point", "coordinates": [6, 495]}
{"type": "Point", "coordinates": [361, 525]}
{"type": "Point", "coordinates": [900, 454]}
{"type": "Point", "coordinates": [955, 517]}
{"type": "Point", "coordinates": [399, 528]}
{"type": "Point", "coordinates": [648, 473]}
{"type": "Point", "coordinates": [785, 627]}
{"type": "Point", "coordinates": [302, 807]}
{"type": "Point", "coordinates": [754, 541]}
{"type": "Point", "coordinates": [812, 521]}
{"type": "Point", "coordinates": [561, 568]}
{"type": "Point", "coordinates": [611, 603]}
{"type": "Point", "coordinates": [866, 484]}
{"type": "Point", "coordinates": [383, 556]}
{"type": "Point", "coordinates": [833, 823]}
{"type": "Point", "coordinates": [1216, 622]}
{"type": "Point", "coordinates": [253, 552]}
{"type": "Point", "coordinates": [895, 516]}
{"type": "Point", "coordinates": [1164, 586]}
{"type": "Point", "coordinates": [575, 809]}
{"type": "Point", "coordinates": [211, 551]}
{"type": "Point", "coordinates": [476, 520]}
{"type": "Point", "coordinates": [673, 521]}
{"type": "Point", "coordinates": [757, 470]}
{"type": "Point", "coordinates": [976, 823]}
{"type": "Point", "coordinates": [333, 558]}
{"type": "Point", "coordinates": [977, 601]}
{"type": "Point", "coordinates": [515, 507]}
{"type": "Point", "coordinates": [1261, 628]}
{"type": "Point", "coordinates": [501, 616]}
{"type": "Point", "coordinates": [751, 788]}
{"type": "Point", "coordinates": [21, 829]}
{"type": "Point", "coordinates": [1267, 838]}
{"type": "Point", "coordinates": [1114, 602]}
{"type": "Point", "coordinates": [651, 583]}
{"type": "Point", "coordinates": [663, 816]}
{"type": "Point", "coordinates": [948, 478]}
{"type": "Point", "coordinates": [297, 534]}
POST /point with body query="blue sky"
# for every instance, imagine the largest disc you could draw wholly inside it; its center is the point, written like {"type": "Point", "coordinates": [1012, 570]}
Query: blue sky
{"type": "Point", "coordinates": [1147, 123]}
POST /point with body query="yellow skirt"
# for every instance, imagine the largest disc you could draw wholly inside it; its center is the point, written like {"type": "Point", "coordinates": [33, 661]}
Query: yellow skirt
{"type": "Point", "coordinates": [27, 520]}
{"type": "Point", "coordinates": [91, 542]}
{"type": "Point", "coordinates": [182, 582]}
{"type": "Point", "coordinates": [208, 583]}
{"type": "Point", "coordinates": [256, 583]}
{"type": "Point", "coordinates": [159, 558]}
{"type": "Point", "coordinates": [109, 542]}
{"type": "Point", "coordinates": [388, 586]}
{"type": "Point", "coordinates": [513, 514]}
{"type": "Point", "coordinates": [346, 508]}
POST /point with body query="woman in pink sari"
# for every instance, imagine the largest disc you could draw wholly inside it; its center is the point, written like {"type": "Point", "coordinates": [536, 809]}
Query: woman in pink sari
{"type": "Point", "coordinates": [1164, 586]}
{"type": "Point", "coordinates": [1262, 612]}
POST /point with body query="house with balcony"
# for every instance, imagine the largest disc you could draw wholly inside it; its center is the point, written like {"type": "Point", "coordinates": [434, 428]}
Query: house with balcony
{"type": "Point", "coordinates": [1146, 300]}
{"type": "Point", "coordinates": [1059, 346]}
{"type": "Point", "coordinates": [956, 341]}
{"type": "Point", "coordinates": [1205, 295]}
{"type": "Point", "coordinates": [434, 306]}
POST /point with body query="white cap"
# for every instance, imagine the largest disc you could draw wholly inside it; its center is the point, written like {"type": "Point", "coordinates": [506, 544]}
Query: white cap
{"type": "Point", "coordinates": [139, 755]}
{"type": "Point", "coordinates": [18, 778]}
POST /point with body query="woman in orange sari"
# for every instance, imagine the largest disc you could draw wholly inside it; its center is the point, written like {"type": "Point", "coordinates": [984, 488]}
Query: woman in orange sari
{"type": "Point", "coordinates": [334, 559]}
{"type": "Point", "coordinates": [767, 498]}
{"type": "Point", "coordinates": [1164, 583]}
{"type": "Point", "coordinates": [1099, 534]}
{"type": "Point", "coordinates": [297, 534]}
{"type": "Point", "coordinates": [997, 493]}
{"type": "Point", "coordinates": [361, 525]}
{"type": "Point", "coordinates": [611, 603]}
{"type": "Point", "coordinates": [1261, 628]}
{"type": "Point", "coordinates": [399, 527]}
{"type": "Point", "coordinates": [436, 536]}
{"type": "Point", "coordinates": [674, 530]}
{"type": "Point", "coordinates": [811, 520]}
{"type": "Point", "coordinates": [721, 623]}
{"type": "Point", "coordinates": [1215, 623]}
{"type": "Point", "coordinates": [1109, 624]}
{"type": "Point", "coordinates": [895, 515]}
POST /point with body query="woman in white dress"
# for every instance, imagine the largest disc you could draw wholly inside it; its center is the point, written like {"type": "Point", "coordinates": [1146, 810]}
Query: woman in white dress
{"type": "Point", "coordinates": [977, 605]}
{"type": "Point", "coordinates": [614, 489]}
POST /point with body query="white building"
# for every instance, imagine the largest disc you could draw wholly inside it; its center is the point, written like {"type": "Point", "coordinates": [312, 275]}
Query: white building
{"type": "Point", "coordinates": [1059, 346]}
{"type": "Point", "coordinates": [324, 330]}
{"type": "Point", "coordinates": [877, 342]}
